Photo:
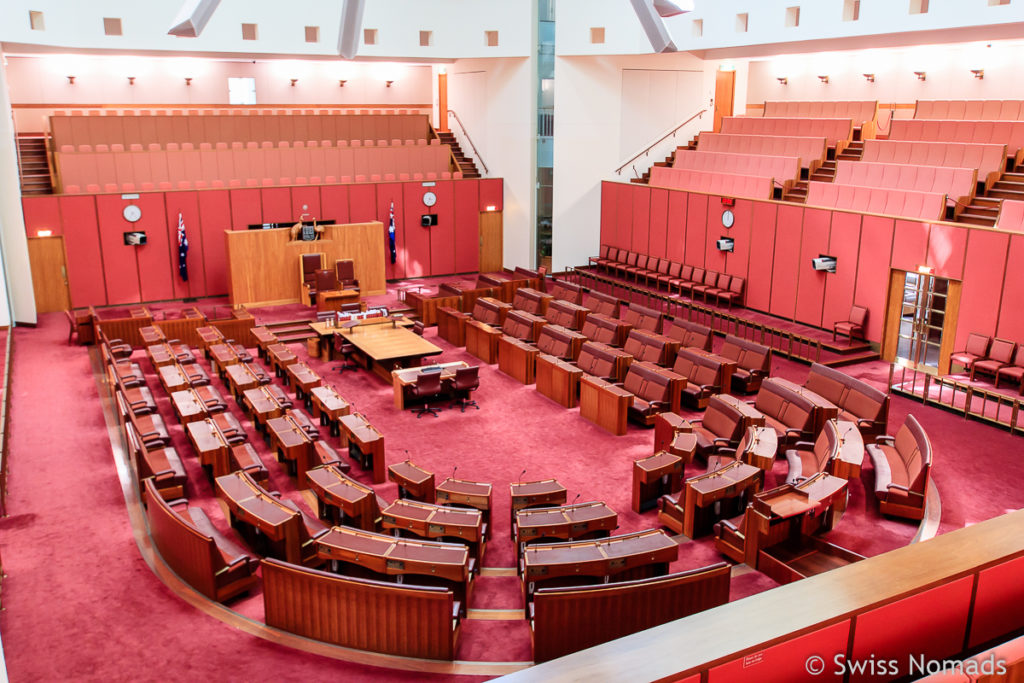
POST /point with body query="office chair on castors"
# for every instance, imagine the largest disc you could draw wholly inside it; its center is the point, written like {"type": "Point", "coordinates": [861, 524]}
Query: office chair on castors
{"type": "Point", "coordinates": [345, 349]}
{"type": "Point", "coordinates": [466, 380]}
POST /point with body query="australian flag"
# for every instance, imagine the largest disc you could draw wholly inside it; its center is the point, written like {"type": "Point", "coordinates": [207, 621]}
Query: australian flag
{"type": "Point", "coordinates": [391, 233]}
{"type": "Point", "coordinates": [182, 249]}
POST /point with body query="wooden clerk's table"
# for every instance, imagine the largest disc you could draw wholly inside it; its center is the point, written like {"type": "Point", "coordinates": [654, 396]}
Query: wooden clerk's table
{"type": "Point", "coordinates": [604, 404]}
{"type": "Point", "coordinates": [249, 504]}
{"type": "Point", "coordinates": [333, 300]}
{"type": "Point", "coordinates": [358, 434]}
{"type": "Point", "coordinates": [558, 379]}
{"type": "Point", "coordinates": [329, 407]}
{"type": "Point", "coordinates": [653, 476]}
{"type": "Point", "coordinates": [386, 344]}
{"type": "Point", "coordinates": [342, 499]}
{"type": "Point", "coordinates": [726, 483]}
{"type": "Point", "coordinates": [437, 521]}
{"type": "Point", "coordinates": [404, 377]}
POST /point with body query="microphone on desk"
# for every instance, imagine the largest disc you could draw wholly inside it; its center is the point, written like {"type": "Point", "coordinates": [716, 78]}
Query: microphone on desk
{"type": "Point", "coordinates": [576, 498]}
{"type": "Point", "coordinates": [406, 454]}
{"type": "Point", "coordinates": [453, 472]}
{"type": "Point", "coordinates": [521, 475]}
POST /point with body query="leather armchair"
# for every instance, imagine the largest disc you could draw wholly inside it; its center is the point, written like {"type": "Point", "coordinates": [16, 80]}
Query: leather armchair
{"type": "Point", "coordinates": [999, 356]}
{"type": "Point", "coordinates": [854, 327]}
{"type": "Point", "coordinates": [465, 381]}
{"type": "Point", "coordinates": [976, 348]}
{"type": "Point", "coordinates": [308, 265]}
{"type": "Point", "coordinates": [345, 271]}
{"type": "Point", "coordinates": [427, 386]}
{"type": "Point", "coordinates": [345, 349]}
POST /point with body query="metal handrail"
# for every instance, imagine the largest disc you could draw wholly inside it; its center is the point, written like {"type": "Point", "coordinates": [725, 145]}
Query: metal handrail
{"type": "Point", "coordinates": [465, 132]}
{"type": "Point", "coordinates": [664, 137]}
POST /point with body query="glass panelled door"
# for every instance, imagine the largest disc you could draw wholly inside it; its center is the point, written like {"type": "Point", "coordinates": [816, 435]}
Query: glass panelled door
{"type": "Point", "coordinates": [922, 319]}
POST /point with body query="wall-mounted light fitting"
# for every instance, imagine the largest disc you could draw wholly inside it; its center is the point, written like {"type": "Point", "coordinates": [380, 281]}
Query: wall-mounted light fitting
{"type": "Point", "coordinates": [870, 78]}
{"type": "Point", "coordinates": [921, 75]}
{"type": "Point", "coordinates": [342, 82]}
{"type": "Point", "coordinates": [823, 79]}
{"type": "Point", "coordinates": [188, 80]}
{"type": "Point", "coordinates": [294, 81]}
{"type": "Point", "coordinates": [783, 80]}
{"type": "Point", "coordinates": [131, 80]}
{"type": "Point", "coordinates": [388, 83]}
{"type": "Point", "coordinates": [71, 80]}
{"type": "Point", "coordinates": [978, 73]}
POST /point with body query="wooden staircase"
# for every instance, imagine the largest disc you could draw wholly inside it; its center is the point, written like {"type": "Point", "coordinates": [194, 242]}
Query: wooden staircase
{"type": "Point", "coordinates": [852, 153]}
{"type": "Point", "coordinates": [466, 164]}
{"type": "Point", "coordinates": [797, 193]}
{"type": "Point", "coordinates": [1009, 186]}
{"type": "Point", "coordinates": [34, 164]}
{"type": "Point", "coordinates": [981, 211]}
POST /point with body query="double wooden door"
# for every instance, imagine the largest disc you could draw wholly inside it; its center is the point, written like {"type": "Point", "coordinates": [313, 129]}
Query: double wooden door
{"type": "Point", "coordinates": [921, 325]}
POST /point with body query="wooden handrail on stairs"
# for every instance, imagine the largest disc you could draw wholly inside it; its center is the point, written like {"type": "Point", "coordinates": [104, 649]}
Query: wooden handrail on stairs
{"type": "Point", "coordinates": [476, 152]}
{"type": "Point", "coordinates": [657, 142]}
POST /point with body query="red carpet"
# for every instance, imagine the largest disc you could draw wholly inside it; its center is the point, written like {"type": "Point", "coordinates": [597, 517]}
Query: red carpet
{"type": "Point", "coordinates": [76, 581]}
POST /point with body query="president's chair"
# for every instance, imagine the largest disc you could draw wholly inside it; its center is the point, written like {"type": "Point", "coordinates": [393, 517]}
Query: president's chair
{"type": "Point", "coordinates": [427, 387]}
{"type": "Point", "coordinates": [308, 265]}
{"type": "Point", "coordinates": [465, 381]}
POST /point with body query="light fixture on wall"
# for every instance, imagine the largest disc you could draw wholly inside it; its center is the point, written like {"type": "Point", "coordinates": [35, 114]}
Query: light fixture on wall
{"type": "Point", "coordinates": [823, 79]}
{"type": "Point", "coordinates": [131, 80]}
{"type": "Point", "coordinates": [870, 78]}
{"type": "Point", "coordinates": [71, 80]}
{"type": "Point", "coordinates": [188, 80]}
{"type": "Point", "coordinates": [342, 82]}
{"type": "Point", "coordinates": [782, 79]}
{"type": "Point", "coordinates": [978, 73]}
{"type": "Point", "coordinates": [388, 83]}
{"type": "Point", "coordinates": [921, 75]}
{"type": "Point", "coordinates": [294, 81]}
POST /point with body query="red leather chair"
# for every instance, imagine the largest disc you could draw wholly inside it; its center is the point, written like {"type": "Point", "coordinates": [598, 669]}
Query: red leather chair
{"type": "Point", "coordinates": [999, 356]}
{"type": "Point", "coordinates": [466, 380]}
{"type": "Point", "coordinates": [345, 349]}
{"type": "Point", "coordinates": [427, 386]}
{"type": "Point", "coordinates": [976, 349]}
{"type": "Point", "coordinates": [1015, 370]}
{"type": "Point", "coordinates": [345, 270]}
{"type": "Point", "coordinates": [854, 327]}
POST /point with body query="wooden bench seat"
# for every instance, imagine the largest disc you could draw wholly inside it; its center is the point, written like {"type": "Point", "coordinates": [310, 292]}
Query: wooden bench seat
{"type": "Point", "coordinates": [858, 402]}
{"type": "Point", "coordinates": [790, 414]}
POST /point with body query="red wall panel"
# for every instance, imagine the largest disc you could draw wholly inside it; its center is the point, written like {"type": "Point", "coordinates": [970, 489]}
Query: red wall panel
{"type": "Point", "coordinates": [659, 222]}
{"type": "Point", "coordinates": [334, 203]}
{"type": "Point", "coordinates": [998, 603]}
{"type": "Point", "coordinates": [362, 207]}
{"type": "Point", "coordinates": [41, 213]}
{"type": "Point", "coordinates": [946, 247]}
{"type": "Point", "coordinates": [713, 258]}
{"type": "Point", "coordinates": [624, 216]}
{"type": "Point", "coordinates": [910, 244]}
{"type": "Point", "coordinates": [810, 291]}
{"type": "Point", "coordinates": [762, 256]}
{"type": "Point", "coordinates": [609, 193]}
{"type": "Point", "coordinates": [187, 204]}
{"type": "Point", "coordinates": [246, 208]}
{"type": "Point", "coordinates": [786, 661]}
{"type": "Point", "coordinates": [640, 229]}
{"type": "Point", "coordinates": [844, 244]}
{"type": "Point", "coordinates": [277, 205]}
{"type": "Point", "coordinates": [467, 226]}
{"type": "Point", "coordinates": [417, 238]}
{"type": "Point", "coordinates": [154, 258]}
{"type": "Point", "coordinates": [215, 211]}
{"type": "Point", "coordinates": [873, 271]}
{"type": "Point", "coordinates": [387, 193]}
{"type": "Point", "coordinates": [120, 261]}
{"type": "Point", "coordinates": [306, 200]}
{"type": "Point", "coordinates": [932, 624]}
{"type": "Point", "coordinates": [1011, 322]}
{"type": "Point", "coordinates": [785, 271]}
{"type": "Point", "coordinates": [696, 228]}
{"type": "Point", "coordinates": [983, 278]}
{"type": "Point", "coordinates": [492, 193]}
{"type": "Point", "coordinates": [675, 237]}
{"type": "Point", "coordinates": [736, 262]}
{"type": "Point", "coordinates": [82, 246]}
{"type": "Point", "coordinates": [442, 235]}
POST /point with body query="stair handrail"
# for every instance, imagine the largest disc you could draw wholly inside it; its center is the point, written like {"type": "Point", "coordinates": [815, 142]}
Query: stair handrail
{"type": "Point", "coordinates": [476, 152]}
{"type": "Point", "coordinates": [647, 150]}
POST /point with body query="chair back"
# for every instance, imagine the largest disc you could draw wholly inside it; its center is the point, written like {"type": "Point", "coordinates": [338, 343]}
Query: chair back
{"type": "Point", "coordinates": [326, 280]}
{"type": "Point", "coordinates": [428, 383]}
{"type": "Point", "coordinates": [1002, 350]}
{"type": "Point", "coordinates": [310, 264]}
{"type": "Point", "coordinates": [859, 315]}
{"type": "Point", "coordinates": [345, 269]}
{"type": "Point", "coordinates": [467, 378]}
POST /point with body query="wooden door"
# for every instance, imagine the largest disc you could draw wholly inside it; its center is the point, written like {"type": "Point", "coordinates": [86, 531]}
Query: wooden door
{"type": "Point", "coordinates": [490, 241]}
{"type": "Point", "coordinates": [725, 84]}
{"type": "Point", "coordinates": [49, 273]}
{"type": "Point", "coordinates": [921, 321]}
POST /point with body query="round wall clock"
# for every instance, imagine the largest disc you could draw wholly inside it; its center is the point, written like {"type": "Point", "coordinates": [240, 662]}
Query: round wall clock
{"type": "Point", "coordinates": [728, 218]}
{"type": "Point", "coordinates": [429, 199]}
{"type": "Point", "coordinates": [132, 213]}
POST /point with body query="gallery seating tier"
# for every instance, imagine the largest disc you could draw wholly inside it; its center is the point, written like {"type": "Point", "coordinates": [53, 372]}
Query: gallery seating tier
{"type": "Point", "coordinates": [906, 203]}
{"type": "Point", "coordinates": [1011, 216]}
{"type": "Point", "coordinates": [958, 184]}
{"type": "Point", "coordinates": [1009, 133]}
{"type": "Point", "coordinates": [812, 150]}
{"type": "Point", "coordinates": [727, 184]}
{"type": "Point", "coordinates": [972, 110]}
{"type": "Point", "coordinates": [989, 159]}
{"type": "Point", "coordinates": [863, 113]}
{"type": "Point", "coordinates": [838, 132]}
{"type": "Point", "coordinates": [786, 170]}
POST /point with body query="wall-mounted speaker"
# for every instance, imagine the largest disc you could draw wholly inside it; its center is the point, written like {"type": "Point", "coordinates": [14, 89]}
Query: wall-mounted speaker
{"type": "Point", "coordinates": [824, 263]}
{"type": "Point", "coordinates": [725, 244]}
{"type": "Point", "coordinates": [428, 219]}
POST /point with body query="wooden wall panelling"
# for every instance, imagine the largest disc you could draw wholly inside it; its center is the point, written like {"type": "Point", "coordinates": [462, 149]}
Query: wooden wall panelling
{"type": "Point", "coordinates": [714, 259]}
{"type": "Point", "coordinates": [277, 205]}
{"type": "Point", "coordinates": [306, 200]}
{"type": "Point", "coordinates": [492, 194]}
{"type": "Point", "coordinates": [264, 268]}
{"type": "Point", "coordinates": [910, 244]}
{"type": "Point", "coordinates": [984, 273]}
{"type": "Point", "coordinates": [811, 289]}
{"type": "Point", "coordinates": [187, 204]}
{"type": "Point", "coordinates": [786, 661]}
{"type": "Point", "coordinates": [844, 244]}
{"type": "Point", "coordinates": [947, 247]}
{"type": "Point", "coordinates": [362, 203]}
{"type": "Point", "coordinates": [387, 193]}
{"type": "Point", "coordinates": [609, 195]}
{"type": "Point", "coordinates": [442, 235]}
{"type": "Point", "coordinates": [42, 213]}
{"type": "Point", "coordinates": [737, 262]}
{"type": "Point", "coordinates": [334, 203]}
{"type": "Point", "coordinates": [467, 226]}
{"type": "Point", "coordinates": [623, 217]}
{"type": "Point", "coordinates": [82, 246]}
{"type": "Point", "coordinates": [46, 258]}
{"type": "Point", "coordinates": [246, 208]}
{"type": "Point", "coordinates": [998, 602]}
{"type": "Point", "coordinates": [762, 256]}
{"type": "Point", "coordinates": [215, 218]}
{"type": "Point", "coordinates": [120, 260]}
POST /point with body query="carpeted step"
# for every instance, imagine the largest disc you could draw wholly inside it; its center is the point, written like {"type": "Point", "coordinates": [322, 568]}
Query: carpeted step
{"type": "Point", "coordinates": [852, 359]}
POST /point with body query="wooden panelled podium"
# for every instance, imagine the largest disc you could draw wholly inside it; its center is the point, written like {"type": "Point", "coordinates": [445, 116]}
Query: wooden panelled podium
{"type": "Point", "coordinates": [263, 265]}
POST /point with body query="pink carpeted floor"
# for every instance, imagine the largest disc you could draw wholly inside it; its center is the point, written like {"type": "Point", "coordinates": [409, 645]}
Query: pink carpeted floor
{"type": "Point", "coordinates": [78, 589]}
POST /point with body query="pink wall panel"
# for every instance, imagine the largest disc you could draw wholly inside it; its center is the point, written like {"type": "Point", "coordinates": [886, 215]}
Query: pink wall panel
{"type": "Point", "coordinates": [41, 213]}
{"type": "Point", "coordinates": [810, 292]}
{"type": "Point", "coordinates": [120, 261]}
{"type": "Point", "coordinates": [334, 203]}
{"type": "Point", "coordinates": [187, 204]}
{"type": "Point", "coordinates": [640, 229]}
{"type": "Point", "coordinates": [873, 271]}
{"type": "Point", "coordinates": [154, 257]}
{"type": "Point", "coordinates": [844, 244]}
{"type": "Point", "coordinates": [713, 258]}
{"type": "Point", "coordinates": [387, 193]}
{"type": "Point", "coordinates": [786, 266]}
{"type": "Point", "coordinates": [998, 603]}
{"type": "Point", "coordinates": [417, 238]}
{"type": "Point", "coordinates": [624, 216]}
{"type": "Point", "coordinates": [736, 262]}
{"type": "Point", "coordinates": [306, 200]}
{"type": "Point", "coordinates": [246, 208]}
{"type": "Point", "coordinates": [82, 247]}
{"type": "Point", "coordinates": [946, 247]}
{"type": "Point", "coordinates": [467, 226]}
{"type": "Point", "coordinates": [762, 257]}
{"type": "Point", "coordinates": [659, 222]}
{"type": "Point", "coordinates": [786, 661]}
{"type": "Point", "coordinates": [215, 212]}
{"type": "Point", "coordinates": [675, 237]}
{"type": "Point", "coordinates": [362, 205]}
{"type": "Point", "coordinates": [609, 193]}
{"type": "Point", "coordinates": [983, 278]}
{"type": "Point", "coordinates": [442, 235]}
{"type": "Point", "coordinates": [932, 623]}
{"type": "Point", "coordinates": [910, 244]}
{"type": "Point", "coordinates": [1011, 322]}
{"type": "Point", "coordinates": [277, 205]}
{"type": "Point", "coordinates": [492, 193]}
{"type": "Point", "coordinates": [696, 222]}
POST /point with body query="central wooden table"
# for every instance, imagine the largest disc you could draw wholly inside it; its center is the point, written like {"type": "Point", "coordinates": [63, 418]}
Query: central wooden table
{"type": "Point", "coordinates": [365, 444]}
{"type": "Point", "coordinates": [342, 499]}
{"type": "Point", "coordinates": [401, 379]}
{"type": "Point", "coordinates": [384, 345]}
